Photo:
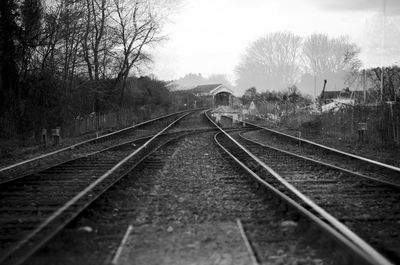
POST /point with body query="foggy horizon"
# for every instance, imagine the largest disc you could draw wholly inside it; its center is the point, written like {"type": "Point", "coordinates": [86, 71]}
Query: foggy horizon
{"type": "Point", "coordinates": [211, 37]}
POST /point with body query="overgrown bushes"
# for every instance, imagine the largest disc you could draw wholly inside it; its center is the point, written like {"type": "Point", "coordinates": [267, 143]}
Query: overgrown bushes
{"type": "Point", "coordinates": [383, 123]}
{"type": "Point", "coordinates": [91, 106]}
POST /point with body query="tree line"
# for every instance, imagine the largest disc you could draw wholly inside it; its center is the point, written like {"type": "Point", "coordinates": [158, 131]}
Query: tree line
{"type": "Point", "coordinates": [287, 100]}
{"type": "Point", "coordinates": [64, 58]}
{"type": "Point", "coordinates": [191, 80]}
{"type": "Point", "coordinates": [279, 60]}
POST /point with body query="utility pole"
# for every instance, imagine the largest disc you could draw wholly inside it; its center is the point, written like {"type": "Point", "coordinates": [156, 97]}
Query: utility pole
{"type": "Point", "coordinates": [364, 85]}
{"type": "Point", "coordinates": [315, 85]}
{"type": "Point", "coordinates": [315, 78]}
{"type": "Point", "coordinates": [383, 46]}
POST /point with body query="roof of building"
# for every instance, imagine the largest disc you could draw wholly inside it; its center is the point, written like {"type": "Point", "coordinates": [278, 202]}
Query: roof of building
{"type": "Point", "coordinates": [205, 88]}
{"type": "Point", "coordinates": [336, 94]}
{"type": "Point", "coordinates": [212, 89]}
{"type": "Point", "coordinates": [349, 94]}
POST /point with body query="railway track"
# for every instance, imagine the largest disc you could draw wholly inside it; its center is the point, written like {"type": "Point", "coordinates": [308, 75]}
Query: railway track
{"type": "Point", "coordinates": [186, 185]}
{"type": "Point", "coordinates": [85, 148]}
{"type": "Point", "coordinates": [325, 194]}
{"type": "Point", "coordinates": [255, 208]}
{"type": "Point", "coordinates": [368, 207]}
{"type": "Point", "coordinates": [33, 208]}
{"type": "Point", "coordinates": [352, 162]}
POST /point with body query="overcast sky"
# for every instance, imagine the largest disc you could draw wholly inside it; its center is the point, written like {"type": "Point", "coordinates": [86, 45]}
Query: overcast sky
{"type": "Point", "coordinates": [209, 36]}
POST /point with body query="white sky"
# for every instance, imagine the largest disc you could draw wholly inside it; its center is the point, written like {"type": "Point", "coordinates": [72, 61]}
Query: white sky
{"type": "Point", "coordinates": [209, 36]}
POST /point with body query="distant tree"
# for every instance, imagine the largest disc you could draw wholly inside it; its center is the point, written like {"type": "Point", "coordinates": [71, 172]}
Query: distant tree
{"type": "Point", "coordinates": [9, 70]}
{"type": "Point", "coordinates": [191, 80]}
{"type": "Point", "coordinates": [155, 91]}
{"type": "Point", "coordinates": [136, 27]}
{"type": "Point", "coordinates": [249, 95]}
{"type": "Point", "coordinates": [19, 34]}
{"type": "Point", "coordinates": [294, 94]}
{"type": "Point", "coordinates": [251, 92]}
{"type": "Point", "coordinates": [330, 58]}
{"type": "Point", "coordinates": [30, 33]}
{"type": "Point", "coordinates": [391, 82]}
{"type": "Point", "coordinates": [218, 79]}
{"type": "Point", "coordinates": [186, 99]}
{"type": "Point", "coordinates": [83, 50]}
{"type": "Point", "coordinates": [271, 62]}
{"type": "Point", "coordinates": [94, 42]}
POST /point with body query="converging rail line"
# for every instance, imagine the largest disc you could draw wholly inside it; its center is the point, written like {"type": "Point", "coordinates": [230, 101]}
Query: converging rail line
{"type": "Point", "coordinates": [350, 214]}
{"type": "Point", "coordinates": [352, 162]}
{"type": "Point", "coordinates": [176, 186]}
{"type": "Point", "coordinates": [362, 193]}
{"type": "Point", "coordinates": [248, 155]}
{"type": "Point", "coordinates": [34, 208]}
{"type": "Point", "coordinates": [85, 148]}
{"type": "Point", "coordinates": [366, 205]}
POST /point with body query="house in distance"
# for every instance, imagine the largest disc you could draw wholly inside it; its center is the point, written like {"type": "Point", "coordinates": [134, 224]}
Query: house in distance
{"type": "Point", "coordinates": [217, 94]}
{"type": "Point", "coordinates": [221, 98]}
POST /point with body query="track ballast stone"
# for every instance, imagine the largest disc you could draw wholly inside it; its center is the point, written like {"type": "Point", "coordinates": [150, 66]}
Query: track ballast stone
{"type": "Point", "coordinates": [198, 196]}
{"type": "Point", "coordinates": [183, 202]}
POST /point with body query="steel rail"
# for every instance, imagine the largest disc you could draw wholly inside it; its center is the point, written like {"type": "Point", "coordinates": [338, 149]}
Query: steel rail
{"type": "Point", "coordinates": [7, 257]}
{"type": "Point", "coordinates": [303, 211]}
{"type": "Point", "coordinates": [100, 151]}
{"type": "Point", "coordinates": [327, 147]}
{"type": "Point", "coordinates": [321, 163]}
{"type": "Point", "coordinates": [71, 147]}
{"type": "Point", "coordinates": [367, 251]}
{"type": "Point", "coordinates": [2, 182]}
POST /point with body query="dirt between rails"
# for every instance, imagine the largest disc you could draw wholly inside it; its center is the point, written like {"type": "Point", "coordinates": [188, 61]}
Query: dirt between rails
{"type": "Point", "coordinates": [183, 202]}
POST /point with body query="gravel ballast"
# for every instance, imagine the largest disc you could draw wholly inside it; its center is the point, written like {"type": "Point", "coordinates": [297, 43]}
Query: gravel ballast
{"type": "Point", "coordinates": [183, 204]}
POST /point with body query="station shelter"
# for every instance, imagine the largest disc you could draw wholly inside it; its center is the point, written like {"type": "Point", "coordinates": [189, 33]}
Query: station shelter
{"type": "Point", "coordinates": [219, 94]}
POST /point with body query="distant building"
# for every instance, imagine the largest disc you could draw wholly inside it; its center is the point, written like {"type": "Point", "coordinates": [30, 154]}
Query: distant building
{"type": "Point", "coordinates": [250, 112]}
{"type": "Point", "coordinates": [220, 94]}
{"type": "Point", "coordinates": [350, 97]}
{"type": "Point", "coordinates": [253, 110]}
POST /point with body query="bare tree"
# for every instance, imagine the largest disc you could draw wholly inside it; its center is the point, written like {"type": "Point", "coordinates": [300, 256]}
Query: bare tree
{"type": "Point", "coordinates": [136, 27]}
{"type": "Point", "coordinates": [95, 42]}
{"type": "Point", "coordinates": [59, 53]}
{"type": "Point", "coordinates": [391, 82]}
{"type": "Point", "coordinates": [271, 62]}
{"type": "Point", "coordinates": [323, 55]}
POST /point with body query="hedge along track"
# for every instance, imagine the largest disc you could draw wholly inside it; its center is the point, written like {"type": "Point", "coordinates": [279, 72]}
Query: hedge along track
{"type": "Point", "coordinates": [348, 244]}
{"type": "Point", "coordinates": [355, 163]}
{"type": "Point", "coordinates": [81, 149]}
{"type": "Point", "coordinates": [35, 208]}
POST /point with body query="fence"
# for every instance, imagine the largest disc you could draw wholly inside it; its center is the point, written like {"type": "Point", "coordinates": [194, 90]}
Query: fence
{"type": "Point", "coordinates": [382, 123]}
{"type": "Point", "coordinates": [85, 126]}
{"type": "Point", "coordinates": [109, 121]}
{"type": "Point", "coordinates": [90, 123]}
